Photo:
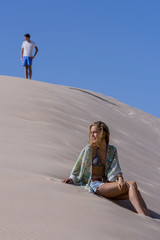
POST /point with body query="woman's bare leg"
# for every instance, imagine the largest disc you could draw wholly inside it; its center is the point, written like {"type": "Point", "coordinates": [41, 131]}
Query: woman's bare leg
{"type": "Point", "coordinates": [143, 203]}
{"type": "Point", "coordinates": [135, 199]}
{"type": "Point", "coordinates": [122, 197]}
{"type": "Point", "coordinates": [111, 190]}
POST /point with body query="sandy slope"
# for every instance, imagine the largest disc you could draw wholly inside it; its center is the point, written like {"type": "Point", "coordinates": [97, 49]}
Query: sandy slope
{"type": "Point", "coordinates": [43, 128]}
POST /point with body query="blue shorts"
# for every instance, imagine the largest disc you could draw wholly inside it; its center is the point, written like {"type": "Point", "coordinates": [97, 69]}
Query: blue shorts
{"type": "Point", "coordinates": [27, 61]}
{"type": "Point", "coordinates": [95, 184]}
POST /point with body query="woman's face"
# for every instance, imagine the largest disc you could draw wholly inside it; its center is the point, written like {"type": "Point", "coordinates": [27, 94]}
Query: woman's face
{"type": "Point", "coordinates": [94, 134]}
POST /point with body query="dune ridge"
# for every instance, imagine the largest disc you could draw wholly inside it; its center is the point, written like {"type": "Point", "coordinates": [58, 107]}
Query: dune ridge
{"type": "Point", "coordinates": [43, 129]}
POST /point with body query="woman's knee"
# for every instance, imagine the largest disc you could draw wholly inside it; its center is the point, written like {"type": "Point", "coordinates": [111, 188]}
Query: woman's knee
{"type": "Point", "coordinates": [132, 184]}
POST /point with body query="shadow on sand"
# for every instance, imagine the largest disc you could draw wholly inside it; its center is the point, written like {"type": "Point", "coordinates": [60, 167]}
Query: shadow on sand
{"type": "Point", "coordinates": [127, 204]}
{"type": "Point", "coordinates": [94, 95]}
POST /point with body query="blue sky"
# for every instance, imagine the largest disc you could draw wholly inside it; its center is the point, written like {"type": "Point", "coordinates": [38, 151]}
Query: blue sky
{"type": "Point", "coordinates": [111, 47]}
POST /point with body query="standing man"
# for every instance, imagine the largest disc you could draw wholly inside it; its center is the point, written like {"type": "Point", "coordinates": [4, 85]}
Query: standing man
{"type": "Point", "coordinates": [26, 55]}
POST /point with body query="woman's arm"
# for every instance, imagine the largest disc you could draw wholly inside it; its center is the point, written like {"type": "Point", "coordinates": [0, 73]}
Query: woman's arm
{"type": "Point", "coordinates": [114, 169]}
{"type": "Point", "coordinates": [68, 180]}
{"type": "Point", "coordinates": [115, 173]}
{"type": "Point", "coordinates": [122, 185]}
{"type": "Point", "coordinates": [78, 169]}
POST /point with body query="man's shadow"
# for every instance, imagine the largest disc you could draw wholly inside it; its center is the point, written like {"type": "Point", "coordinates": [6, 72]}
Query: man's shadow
{"type": "Point", "coordinates": [127, 204]}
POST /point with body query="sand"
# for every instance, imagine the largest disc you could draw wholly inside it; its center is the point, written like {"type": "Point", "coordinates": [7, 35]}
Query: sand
{"type": "Point", "coordinates": [43, 128]}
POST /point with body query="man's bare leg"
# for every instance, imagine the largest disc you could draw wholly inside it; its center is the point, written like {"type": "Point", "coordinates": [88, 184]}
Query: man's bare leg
{"type": "Point", "coordinates": [26, 71]}
{"type": "Point", "coordinates": [30, 71]}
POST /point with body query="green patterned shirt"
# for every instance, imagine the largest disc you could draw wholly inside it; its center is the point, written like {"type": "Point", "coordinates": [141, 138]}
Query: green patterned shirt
{"type": "Point", "coordinates": [82, 171]}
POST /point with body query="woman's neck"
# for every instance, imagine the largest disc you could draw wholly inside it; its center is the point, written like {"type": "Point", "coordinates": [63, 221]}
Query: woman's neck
{"type": "Point", "coordinates": [102, 146]}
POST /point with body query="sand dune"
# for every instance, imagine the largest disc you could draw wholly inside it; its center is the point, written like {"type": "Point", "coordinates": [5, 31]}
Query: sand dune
{"type": "Point", "coordinates": [43, 127]}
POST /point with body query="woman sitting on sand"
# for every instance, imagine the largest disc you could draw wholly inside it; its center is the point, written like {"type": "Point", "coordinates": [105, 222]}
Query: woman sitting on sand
{"type": "Point", "coordinates": [97, 169]}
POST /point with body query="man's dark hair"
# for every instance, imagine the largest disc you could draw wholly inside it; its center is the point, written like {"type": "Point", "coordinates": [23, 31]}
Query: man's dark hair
{"type": "Point", "coordinates": [27, 35]}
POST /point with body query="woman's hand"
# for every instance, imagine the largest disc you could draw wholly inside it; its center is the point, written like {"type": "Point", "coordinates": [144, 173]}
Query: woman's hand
{"type": "Point", "coordinates": [122, 185]}
{"type": "Point", "coordinates": [68, 180]}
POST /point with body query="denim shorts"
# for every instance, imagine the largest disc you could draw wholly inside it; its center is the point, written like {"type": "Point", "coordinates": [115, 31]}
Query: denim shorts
{"type": "Point", "coordinates": [27, 61]}
{"type": "Point", "coordinates": [95, 184]}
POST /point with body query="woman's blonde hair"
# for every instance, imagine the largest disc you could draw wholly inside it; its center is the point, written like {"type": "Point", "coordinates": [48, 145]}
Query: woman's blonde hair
{"type": "Point", "coordinates": [102, 127]}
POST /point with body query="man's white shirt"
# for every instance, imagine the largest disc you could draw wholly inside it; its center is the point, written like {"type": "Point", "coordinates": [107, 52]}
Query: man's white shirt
{"type": "Point", "coordinates": [28, 48]}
